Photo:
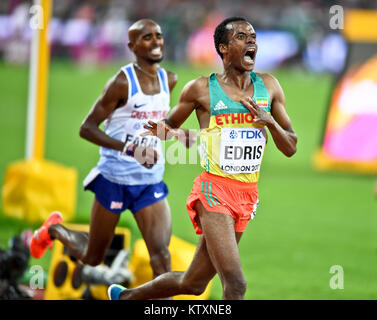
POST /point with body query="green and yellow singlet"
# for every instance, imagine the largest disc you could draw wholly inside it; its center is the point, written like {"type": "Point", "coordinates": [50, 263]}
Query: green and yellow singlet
{"type": "Point", "coordinates": [233, 145]}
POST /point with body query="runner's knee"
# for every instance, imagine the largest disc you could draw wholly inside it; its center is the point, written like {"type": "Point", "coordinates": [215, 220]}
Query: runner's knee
{"type": "Point", "coordinates": [234, 286]}
{"type": "Point", "coordinates": [195, 287]}
{"type": "Point", "coordinates": [160, 261]}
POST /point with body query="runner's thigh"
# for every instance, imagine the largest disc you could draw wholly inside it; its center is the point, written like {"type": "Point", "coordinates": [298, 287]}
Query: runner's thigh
{"type": "Point", "coordinates": [221, 241]}
{"type": "Point", "coordinates": [154, 222]}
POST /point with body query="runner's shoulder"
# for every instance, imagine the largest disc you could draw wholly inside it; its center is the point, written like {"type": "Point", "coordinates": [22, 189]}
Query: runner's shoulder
{"type": "Point", "coordinates": [119, 79]}
{"type": "Point", "coordinates": [272, 84]}
{"type": "Point", "coordinates": [198, 85]}
{"type": "Point", "coordinates": [267, 78]}
{"type": "Point", "coordinates": [172, 75]}
{"type": "Point", "coordinates": [172, 79]}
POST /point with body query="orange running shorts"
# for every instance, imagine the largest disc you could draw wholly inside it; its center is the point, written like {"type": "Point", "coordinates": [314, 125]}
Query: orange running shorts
{"type": "Point", "coordinates": [223, 195]}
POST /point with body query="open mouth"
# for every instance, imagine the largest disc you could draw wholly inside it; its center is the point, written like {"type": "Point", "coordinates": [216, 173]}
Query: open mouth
{"type": "Point", "coordinates": [250, 55]}
{"type": "Point", "coordinates": [156, 51]}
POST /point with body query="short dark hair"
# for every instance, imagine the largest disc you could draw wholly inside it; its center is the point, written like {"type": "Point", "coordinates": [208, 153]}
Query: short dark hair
{"type": "Point", "coordinates": [221, 33]}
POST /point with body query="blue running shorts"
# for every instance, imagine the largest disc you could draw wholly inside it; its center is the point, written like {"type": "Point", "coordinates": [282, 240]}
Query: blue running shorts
{"type": "Point", "coordinates": [118, 197]}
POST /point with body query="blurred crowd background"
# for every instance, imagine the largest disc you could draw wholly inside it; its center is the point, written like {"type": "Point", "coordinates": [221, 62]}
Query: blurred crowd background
{"type": "Point", "coordinates": [290, 32]}
{"type": "Point", "coordinates": [293, 36]}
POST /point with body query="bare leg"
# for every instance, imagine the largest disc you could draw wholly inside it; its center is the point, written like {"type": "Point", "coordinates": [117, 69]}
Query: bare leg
{"type": "Point", "coordinates": [200, 271]}
{"type": "Point", "coordinates": [154, 223]}
{"type": "Point", "coordinates": [90, 249]}
{"type": "Point", "coordinates": [223, 251]}
{"type": "Point", "coordinates": [193, 281]}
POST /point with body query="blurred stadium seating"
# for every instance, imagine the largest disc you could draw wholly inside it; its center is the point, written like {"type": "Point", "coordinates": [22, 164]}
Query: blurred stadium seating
{"type": "Point", "coordinates": [96, 31]}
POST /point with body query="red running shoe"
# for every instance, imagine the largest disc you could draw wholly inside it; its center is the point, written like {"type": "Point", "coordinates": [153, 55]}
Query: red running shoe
{"type": "Point", "coordinates": [41, 239]}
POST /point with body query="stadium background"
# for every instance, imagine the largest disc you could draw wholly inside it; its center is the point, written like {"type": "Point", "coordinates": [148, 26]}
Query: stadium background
{"type": "Point", "coordinates": [307, 220]}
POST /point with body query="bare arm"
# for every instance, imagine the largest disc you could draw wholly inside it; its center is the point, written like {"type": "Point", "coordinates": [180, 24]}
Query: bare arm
{"type": "Point", "coordinates": [190, 99]}
{"type": "Point", "coordinates": [187, 103]}
{"type": "Point", "coordinates": [278, 122]}
{"type": "Point", "coordinates": [114, 95]}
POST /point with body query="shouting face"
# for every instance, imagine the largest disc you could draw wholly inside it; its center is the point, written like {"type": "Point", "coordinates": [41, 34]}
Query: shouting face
{"type": "Point", "coordinates": [241, 49]}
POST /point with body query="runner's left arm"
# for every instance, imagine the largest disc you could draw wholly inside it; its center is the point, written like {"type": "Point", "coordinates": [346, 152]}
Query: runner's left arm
{"type": "Point", "coordinates": [278, 121]}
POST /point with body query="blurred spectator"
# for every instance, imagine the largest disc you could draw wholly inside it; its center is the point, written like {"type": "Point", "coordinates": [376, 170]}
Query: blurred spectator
{"type": "Point", "coordinates": [16, 49]}
{"type": "Point", "coordinates": [200, 48]}
{"type": "Point", "coordinates": [96, 31]}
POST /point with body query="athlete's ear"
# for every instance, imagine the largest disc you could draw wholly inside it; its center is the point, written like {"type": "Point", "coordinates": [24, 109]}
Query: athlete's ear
{"type": "Point", "coordinates": [223, 48]}
{"type": "Point", "coordinates": [131, 45]}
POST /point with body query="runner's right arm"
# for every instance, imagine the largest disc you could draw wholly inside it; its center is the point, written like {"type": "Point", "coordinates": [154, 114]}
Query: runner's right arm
{"type": "Point", "coordinates": [114, 95]}
{"type": "Point", "coordinates": [192, 97]}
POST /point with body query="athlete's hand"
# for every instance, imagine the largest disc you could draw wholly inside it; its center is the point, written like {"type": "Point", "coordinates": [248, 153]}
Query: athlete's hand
{"type": "Point", "coordinates": [187, 137]}
{"type": "Point", "coordinates": [146, 156]}
{"type": "Point", "coordinates": [260, 116]}
{"type": "Point", "coordinates": [160, 129]}
{"type": "Point", "coordinates": [164, 132]}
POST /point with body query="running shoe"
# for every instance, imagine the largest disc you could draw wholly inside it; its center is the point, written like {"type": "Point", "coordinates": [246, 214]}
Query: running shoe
{"type": "Point", "coordinates": [41, 239]}
{"type": "Point", "coordinates": [114, 291]}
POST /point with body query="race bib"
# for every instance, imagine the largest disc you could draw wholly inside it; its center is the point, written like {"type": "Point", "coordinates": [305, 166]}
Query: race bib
{"type": "Point", "coordinates": [241, 150]}
{"type": "Point", "coordinates": [147, 141]}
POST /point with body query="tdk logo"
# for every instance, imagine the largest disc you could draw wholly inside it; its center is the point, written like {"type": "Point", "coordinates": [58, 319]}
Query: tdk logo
{"type": "Point", "coordinates": [233, 134]}
{"type": "Point", "coordinates": [251, 134]}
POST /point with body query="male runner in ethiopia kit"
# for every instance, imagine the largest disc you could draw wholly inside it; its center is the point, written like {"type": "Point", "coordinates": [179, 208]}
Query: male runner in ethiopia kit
{"type": "Point", "coordinates": [130, 169]}
{"type": "Point", "coordinates": [234, 110]}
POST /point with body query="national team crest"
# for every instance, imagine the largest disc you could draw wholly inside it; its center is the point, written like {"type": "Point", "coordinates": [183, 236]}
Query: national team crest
{"type": "Point", "coordinates": [262, 102]}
